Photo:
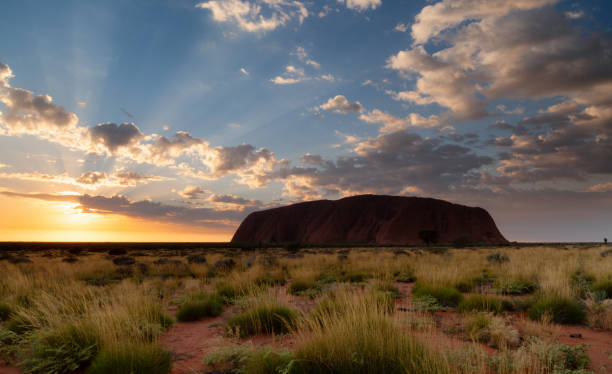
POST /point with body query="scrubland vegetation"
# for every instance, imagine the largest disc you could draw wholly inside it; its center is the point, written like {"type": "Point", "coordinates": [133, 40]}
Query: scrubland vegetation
{"type": "Point", "coordinates": [359, 310]}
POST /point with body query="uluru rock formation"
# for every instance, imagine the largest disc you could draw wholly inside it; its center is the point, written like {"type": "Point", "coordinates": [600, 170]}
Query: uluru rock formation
{"type": "Point", "coordinates": [372, 219]}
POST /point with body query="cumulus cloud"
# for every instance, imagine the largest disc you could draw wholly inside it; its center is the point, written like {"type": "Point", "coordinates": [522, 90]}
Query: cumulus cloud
{"type": "Point", "coordinates": [361, 5]}
{"type": "Point", "coordinates": [340, 104]}
{"type": "Point", "coordinates": [500, 49]}
{"type": "Point", "coordinates": [193, 192]}
{"type": "Point", "coordinates": [256, 15]}
{"type": "Point", "coordinates": [30, 113]}
{"type": "Point", "coordinates": [446, 14]}
{"type": "Point", "coordinates": [388, 163]}
{"type": "Point", "coordinates": [113, 136]}
{"type": "Point", "coordinates": [229, 201]}
{"type": "Point", "coordinates": [392, 123]}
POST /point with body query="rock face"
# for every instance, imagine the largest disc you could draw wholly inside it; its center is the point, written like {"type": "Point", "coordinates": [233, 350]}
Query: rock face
{"type": "Point", "coordinates": [368, 219]}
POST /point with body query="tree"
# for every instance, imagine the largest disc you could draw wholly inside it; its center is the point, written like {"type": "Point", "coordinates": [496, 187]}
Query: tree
{"type": "Point", "coordinates": [429, 236]}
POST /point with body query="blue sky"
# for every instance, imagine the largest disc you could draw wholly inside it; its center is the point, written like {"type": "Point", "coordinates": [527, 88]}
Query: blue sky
{"type": "Point", "coordinates": [498, 104]}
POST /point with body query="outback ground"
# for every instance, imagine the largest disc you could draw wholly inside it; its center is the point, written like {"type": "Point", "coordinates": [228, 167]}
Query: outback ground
{"type": "Point", "coordinates": [511, 309]}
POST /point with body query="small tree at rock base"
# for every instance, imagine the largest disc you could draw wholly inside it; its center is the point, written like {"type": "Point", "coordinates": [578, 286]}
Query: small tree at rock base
{"type": "Point", "coordinates": [429, 236]}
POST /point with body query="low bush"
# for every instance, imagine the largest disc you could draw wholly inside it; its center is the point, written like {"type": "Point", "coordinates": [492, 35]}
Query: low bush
{"type": "Point", "coordinates": [516, 287]}
{"type": "Point", "coordinates": [227, 292]}
{"type": "Point", "coordinates": [492, 330]}
{"type": "Point", "coordinates": [389, 289]}
{"type": "Point", "coordinates": [481, 303]}
{"type": "Point", "coordinates": [5, 311]}
{"type": "Point", "coordinates": [199, 306]}
{"type": "Point", "coordinates": [498, 258]}
{"type": "Point", "coordinates": [59, 350]}
{"type": "Point", "coordinates": [263, 319]}
{"type": "Point", "coordinates": [560, 309]}
{"type": "Point", "coordinates": [446, 296]}
{"type": "Point", "coordinates": [132, 359]}
{"type": "Point", "coordinates": [271, 280]}
{"type": "Point", "coordinates": [352, 277]}
{"type": "Point", "coordinates": [304, 288]}
{"type": "Point", "coordinates": [263, 360]}
{"type": "Point", "coordinates": [406, 276]}
{"type": "Point", "coordinates": [603, 288]}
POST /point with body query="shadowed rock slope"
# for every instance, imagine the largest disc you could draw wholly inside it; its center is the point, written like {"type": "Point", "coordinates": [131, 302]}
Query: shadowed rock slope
{"type": "Point", "coordinates": [373, 219]}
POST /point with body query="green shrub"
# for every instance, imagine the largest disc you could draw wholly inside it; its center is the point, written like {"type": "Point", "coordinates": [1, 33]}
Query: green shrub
{"type": "Point", "coordinates": [269, 361]}
{"type": "Point", "coordinates": [446, 296]}
{"type": "Point", "coordinates": [562, 310]}
{"type": "Point", "coordinates": [227, 292]}
{"type": "Point", "coordinates": [603, 288]}
{"type": "Point", "coordinates": [406, 276]}
{"type": "Point", "coordinates": [516, 287]}
{"type": "Point", "coordinates": [389, 289]}
{"type": "Point", "coordinates": [271, 280]}
{"type": "Point", "coordinates": [481, 303]}
{"type": "Point", "coordinates": [250, 360]}
{"type": "Point", "coordinates": [498, 258]}
{"type": "Point", "coordinates": [132, 359]}
{"type": "Point", "coordinates": [200, 306]}
{"type": "Point", "coordinates": [304, 288]}
{"type": "Point", "coordinates": [263, 319]}
{"type": "Point", "coordinates": [354, 277]}
{"type": "Point", "coordinates": [59, 350]}
{"type": "Point", "coordinates": [5, 311]}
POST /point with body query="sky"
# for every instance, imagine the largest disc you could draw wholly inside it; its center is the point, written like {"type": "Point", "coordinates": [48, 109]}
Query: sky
{"type": "Point", "coordinates": [172, 120]}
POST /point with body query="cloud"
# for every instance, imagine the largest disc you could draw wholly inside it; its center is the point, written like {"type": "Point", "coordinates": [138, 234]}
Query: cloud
{"type": "Point", "coordinates": [388, 163]}
{"type": "Point", "coordinates": [29, 113]}
{"type": "Point", "coordinates": [446, 14]}
{"type": "Point", "coordinates": [292, 75]}
{"type": "Point", "coordinates": [499, 49]}
{"type": "Point", "coordinates": [145, 209]}
{"type": "Point", "coordinates": [256, 15]}
{"type": "Point", "coordinates": [193, 192]}
{"type": "Point", "coordinates": [361, 5]}
{"type": "Point", "coordinates": [113, 137]}
{"type": "Point", "coordinates": [438, 82]}
{"type": "Point", "coordinates": [89, 180]}
{"type": "Point", "coordinates": [602, 187]}
{"type": "Point", "coordinates": [340, 104]}
{"type": "Point", "coordinates": [228, 201]}
{"type": "Point", "coordinates": [392, 123]}
{"type": "Point", "coordinates": [296, 72]}
{"type": "Point", "coordinates": [401, 27]}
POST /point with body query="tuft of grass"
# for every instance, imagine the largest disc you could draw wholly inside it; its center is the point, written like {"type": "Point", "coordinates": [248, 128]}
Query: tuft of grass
{"type": "Point", "coordinates": [5, 311]}
{"type": "Point", "coordinates": [362, 339]}
{"type": "Point", "coordinates": [354, 277]}
{"type": "Point", "coordinates": [516, 287]}
{"type": "Point", "coordinates": [132, 359]}
{"type": "Point", "coordinates": [59, 350]}
{"type": "Point", "coordinates": [490, 329]}
{"type": "Point", "coordinates": [227, 292]}
{"type": "Point", "coordinates": [304, 288]}
{"type": "Point", "coordinates": [446, 296]}
{"type": "Point", "coordinates": [482, 303]}
{"type": "Point", "coordinates": [603, 289]}
{"type": "Point", "coordinates": [265, 318]}
{"type": "Point", "coordinates": [249, 360]}
{"type": "Point", "coordinates": [199, 306]}
{"type": "Point", "coordinates": [559, 309]}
